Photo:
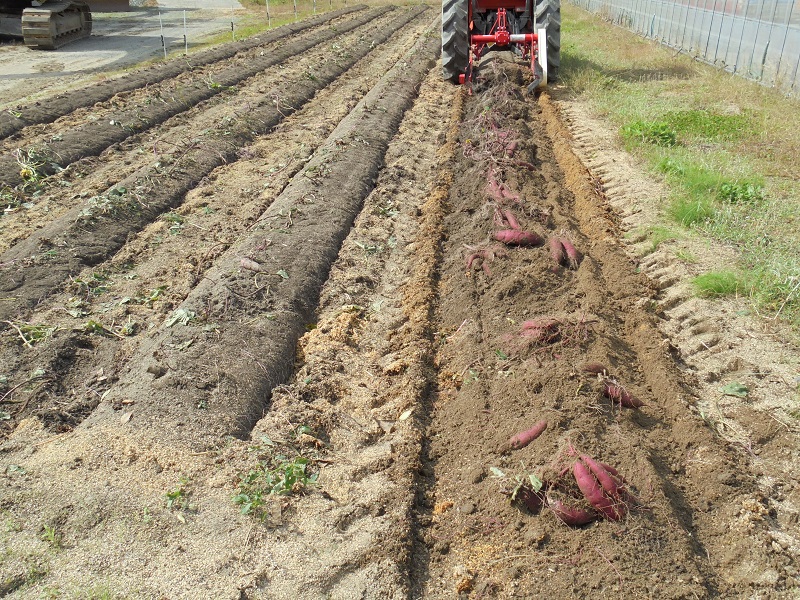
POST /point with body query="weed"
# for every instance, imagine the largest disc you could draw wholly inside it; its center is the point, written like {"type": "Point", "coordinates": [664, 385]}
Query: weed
{"type": "Point", "coordinates": [52, 536]}
{"type": "Point", "coordinates": [691, 211]}
{"type": "Point", "coordinates": [657, 133]}
{"type": "Point", "coordinates": [276, 476]}
{"type": "Point", "coordinates": [686, 257]}
{"type": "Point", "coordinates": [707, 125]}
{"type": "Point", "coordinates": [740, 192]}
{"type": "Point", "coordinates": [179, 497]}
{"type": "Point", "coordinates": [719, 283]}
{"type": "Point", "coordinates": [657, 235]}
{"type": "Point", "coordinates": [99, 283]}
{"type": "Point", "coordinates": [281, 471]}
{"type": "Point", "coordinates": [176, 222]}
{"type": "Point", "coordinates": [31, 333]}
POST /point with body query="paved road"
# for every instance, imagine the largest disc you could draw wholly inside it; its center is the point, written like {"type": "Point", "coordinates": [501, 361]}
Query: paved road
{"type": "Point", "coordinates": [118, 40]}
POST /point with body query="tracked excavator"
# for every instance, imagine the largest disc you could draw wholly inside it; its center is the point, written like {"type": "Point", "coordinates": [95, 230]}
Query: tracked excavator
{"type": "Point", "coordinates": [47, 25]}
{"type": "Point", "coordinates": [472, 28]}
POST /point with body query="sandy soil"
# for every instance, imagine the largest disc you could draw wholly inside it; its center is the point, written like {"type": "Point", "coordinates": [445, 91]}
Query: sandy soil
{"type": "Point", "coordinates": [293, 286]}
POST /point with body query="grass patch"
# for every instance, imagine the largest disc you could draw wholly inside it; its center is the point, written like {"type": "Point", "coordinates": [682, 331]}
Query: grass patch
{"type": "Point", "coordinates": [726, 148]}
{"type": "Point", "coordinates": [719, 284]}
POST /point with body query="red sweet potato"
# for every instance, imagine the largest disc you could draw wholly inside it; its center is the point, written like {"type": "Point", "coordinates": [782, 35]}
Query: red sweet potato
{"type": "Point", "coordinates": [617, 393]}
{"type": "Point", "coordinates": [593, 492]}
{"type": "Point", "coordinates": [511, 218]}
{"type": "Point", "coordinates": [540, 323]}
{"type": "Point", "coordinates": [573, 256]}
{"type": "Point", "coordinates": [571, 515]}
{"type": "Point", "coordinates": [594, 368]}
{"type": "Point", "coordinates": [533, 501]}
{"type": "Point", "coordinates": [511, 148]}
{"type": "Point", "coordinates": [557, 253]}
{"type": "Point", "coordinates": [514, 237]}
{"type": "Point", "coordinates": [523, 438]}
{"type": "Point", "coordinates": [605, 478]}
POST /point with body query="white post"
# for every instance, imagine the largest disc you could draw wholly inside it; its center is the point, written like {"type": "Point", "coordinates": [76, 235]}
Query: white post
{"type": "Point", "coordinates": [233, 33]}
{"type": "Point", "coordinates": [185, 39]}
{"type": "Point", "coordinates": [314, 4]}
{"type": "Point", "coordinates": [295, 9]}
{"type": "Point", "coordinates": [163, 44]}
{"type": "Point", "coordinates": [269, 18]}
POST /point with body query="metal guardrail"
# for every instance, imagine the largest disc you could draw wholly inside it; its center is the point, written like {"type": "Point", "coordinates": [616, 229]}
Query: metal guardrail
{"type": "Point", "coordinates": [757, 39]}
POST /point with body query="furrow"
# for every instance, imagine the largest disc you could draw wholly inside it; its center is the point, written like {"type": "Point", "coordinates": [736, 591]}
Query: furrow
{"type": "Point", "coordinates": [49, 110]}
{"type": "Point", "coordinates": [86, 235]}
{"type": "Point", "coordinates": [92, 138]}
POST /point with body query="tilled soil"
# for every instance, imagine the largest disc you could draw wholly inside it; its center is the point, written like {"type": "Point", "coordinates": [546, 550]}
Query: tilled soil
{"type": "Point", "coordinates": [298, 269]}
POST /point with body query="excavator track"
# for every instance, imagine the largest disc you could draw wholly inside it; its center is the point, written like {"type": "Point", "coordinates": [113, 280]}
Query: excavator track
{"type": "Point", "coordinates": [55, 24]}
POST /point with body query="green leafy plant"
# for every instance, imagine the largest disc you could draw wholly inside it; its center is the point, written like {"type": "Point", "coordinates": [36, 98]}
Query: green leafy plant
{"type": "Point", "coordinates": [31, 333]}
{"type": "Point", "coordinates": [643, 132]}
{"type": "Point", "coordinates": [52, 536]}
{"type": "Point", "coordinates": [179, 497]}
{"type": "Point", "coordinates": [276, 476]}
{"type": "Point", "coordinates": [737, 192]}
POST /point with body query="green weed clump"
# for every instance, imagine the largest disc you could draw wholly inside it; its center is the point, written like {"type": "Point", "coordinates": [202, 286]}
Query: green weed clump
{"type": "Point", "coordinates": [656, 133]}
{"type": "Point", "coordinates": [281, 471]}
{"type": "Point", "coordinates": [718, 284]}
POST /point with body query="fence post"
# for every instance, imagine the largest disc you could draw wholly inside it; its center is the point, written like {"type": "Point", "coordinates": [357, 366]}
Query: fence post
{"type": "Point", "coordinates": [783, 44]}
{"type": "Point", "coordinates": [710, 29]}
{"type": "Point", "coordinates": [741, 37]}
{"type": "Point", "coordinates": [719, 33]}
{"type": "Point", "coordinates": [685, 24]}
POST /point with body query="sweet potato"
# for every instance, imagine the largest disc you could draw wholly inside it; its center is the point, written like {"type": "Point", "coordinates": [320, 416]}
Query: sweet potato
{"type": "Point", "coordinates": [614, 391]}
{"type": "Point", "coordinates": [541, 331]}
{"type": "Point", "coordinates": [571, 515]}
{"type": "Point", "coordinates": [592, 490]}
{"type": "Point", "coordinates": [523, 438]}
{"type": "Point", "coordinates": [557, 253]}
{"type": "Point", "coordinates": [511, 218]}
{"type": "Point", "coordinates": [573, 256]}
{"type": "Point", "coordinates": [594, 368]}
{"type": "Point", "coordinates": [511, 148]}
{"type": "Point", "coordinates": [605, 478]}
{"type": "Point", "coordinates": [515, 237]}
{"type": "Point", "coordinates": [533, 501]}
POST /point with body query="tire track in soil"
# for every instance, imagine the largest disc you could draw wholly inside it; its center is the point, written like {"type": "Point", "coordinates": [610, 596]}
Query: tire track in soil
{"type": "Point", "coordinates": [48, 110]}
{"type": "Point", "coordinates": [491, 386]}
{"type": "Point", "coordinates": [169, 257]}
{"type": "Point", "coordinates": [90, 139]}
{"type": "Point", "coordinates": [87, 235]}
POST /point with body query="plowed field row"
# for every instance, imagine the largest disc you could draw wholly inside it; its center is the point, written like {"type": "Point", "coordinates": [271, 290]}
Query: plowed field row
{"type": "Point", "coordinates": [267, 346]}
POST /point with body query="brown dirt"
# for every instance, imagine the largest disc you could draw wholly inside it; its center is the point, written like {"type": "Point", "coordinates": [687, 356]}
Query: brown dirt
{"type": "Point", "coordinates": [309, 297]}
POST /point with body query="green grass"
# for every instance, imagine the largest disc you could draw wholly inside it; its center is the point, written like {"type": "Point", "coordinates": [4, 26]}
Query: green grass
{"type": "Point", "coordinates": [720, 283]}
{"type": "Point", "coordinates": [726, 148]}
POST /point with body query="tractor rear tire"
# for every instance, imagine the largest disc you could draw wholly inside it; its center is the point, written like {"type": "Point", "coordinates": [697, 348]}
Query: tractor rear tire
{"type": "Point", "coordinates": [455, 39]}
{"type": "Point", "coordinates": [547, 15]}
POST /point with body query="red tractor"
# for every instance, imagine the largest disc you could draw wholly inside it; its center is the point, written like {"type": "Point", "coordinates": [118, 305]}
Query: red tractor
{"type": "Point", "coordinates": [531, 28]}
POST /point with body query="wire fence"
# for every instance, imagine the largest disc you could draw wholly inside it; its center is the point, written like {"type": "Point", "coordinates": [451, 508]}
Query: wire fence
{"type": "Point", "coordinates": [757, 39]}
